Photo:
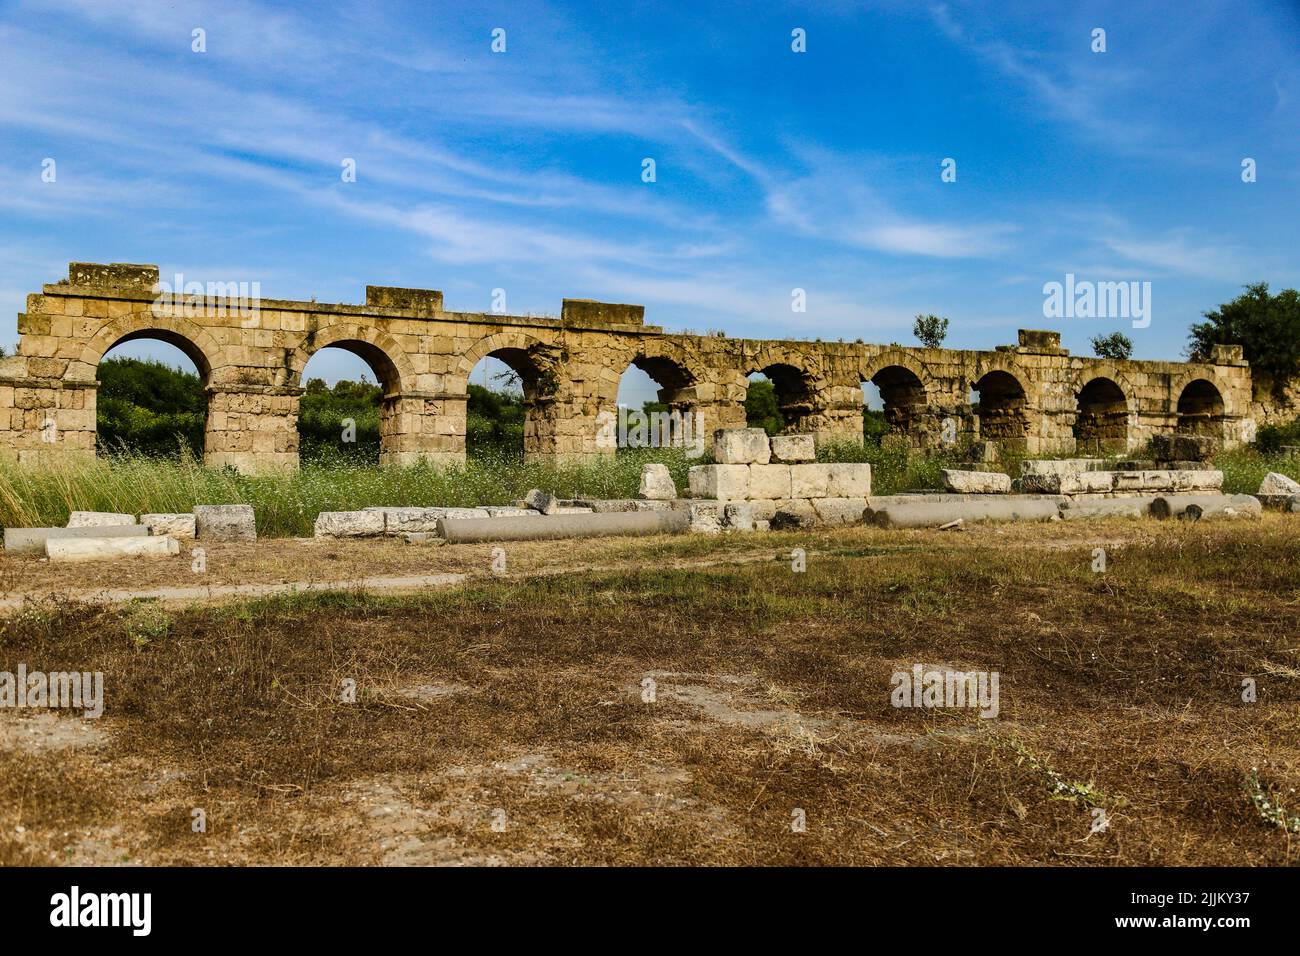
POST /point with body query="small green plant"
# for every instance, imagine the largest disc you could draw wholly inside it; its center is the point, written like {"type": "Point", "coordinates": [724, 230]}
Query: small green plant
{"type": "Point", "coordinates": [1270, 807]}
{"type": "Point", "coordinates": [144, 622]}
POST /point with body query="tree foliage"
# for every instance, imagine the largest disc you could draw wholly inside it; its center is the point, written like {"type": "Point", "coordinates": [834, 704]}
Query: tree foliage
{"type": "Point", "coordinates": [1266, 326]}
{"type": "Point", "coordinates": [761, 408]}
{"type": "Point", "coordinates": [930, 330]}
{"type": "Point", "coordinates": [1116, 346]}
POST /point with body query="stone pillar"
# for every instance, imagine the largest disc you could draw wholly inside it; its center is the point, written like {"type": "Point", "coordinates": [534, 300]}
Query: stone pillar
{"type": "Point", "coordinates": [836, 417]}
{"type": "Point", "coordinates": [252, 428]}
{"type": "Point", "coordinates": [422, 428]}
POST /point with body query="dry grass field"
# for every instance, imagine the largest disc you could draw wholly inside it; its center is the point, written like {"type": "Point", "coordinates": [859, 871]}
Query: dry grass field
{"type": "Point", "coordinates": [505, 720]}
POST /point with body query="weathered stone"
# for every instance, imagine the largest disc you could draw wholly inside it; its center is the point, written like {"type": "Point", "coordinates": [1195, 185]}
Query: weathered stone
{"type": "Point", "coordinates": [792, 514]}
{"type": "Point", "coordinates": [657, 483]}
{"type": "Point", "coordinates": [769, 481]}
{"type": "Point", "coordinates": [1044, 474]}
{"type": "Point", "coordinates": [349, 524]}
{"type": "Point", "coordinates": [721, 482]}
{"type": "Point", "coordinates": [793, 448]}
{"type": "Point", "coordinates": [651, 505]}
{"type": "Point", "coordinates": [225, 523]}
{"type": "Point", "coordinates": [933, 514]}
{"type": "Point", "coordinates": [839, 511]}
{"type": "Point", "coordinates": [762, 509]}
{"type": "Point", "coordinates": [976, 482]}
{"type": "Point", "coordinates": [986, 452]}
{"type": "Point", "coordinates": [810, 481]}
{"type": "Point", "coordinates": [1275, 483]}
{"type": "Point", "coordinates": [848, 480]}
{"type": "Point", "coordinates": [32, 540]}
{"type": "Point", "coordinates": [109, 549]}
{"type": "Point", "coordinates": [1182, 446]}
{"type": "Point", "coordinates": [1293, 505]}
{"type": "Point", "coordinates": [741, 446]}
{"type": "Point", "coordinates": [706, 517]}
{"type": "Point", "coordinates": [1195, 507]}
{"type": "Point", "coordinates": [172, 525]}
{"type": "Point", "coordinates": [493, 511]}
{"type": "Point", "coordinates": [542, 501]}
{"type": "Point", "coordinates": [737, 516]}
{"type": "Point", "coordinates": [98, 519]}
{"type": "Point", "coordinates": [399, 521]}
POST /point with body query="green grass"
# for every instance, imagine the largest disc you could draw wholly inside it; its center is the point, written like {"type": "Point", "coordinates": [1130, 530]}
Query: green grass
{"type": "Point", "coordinates": [287, 504]}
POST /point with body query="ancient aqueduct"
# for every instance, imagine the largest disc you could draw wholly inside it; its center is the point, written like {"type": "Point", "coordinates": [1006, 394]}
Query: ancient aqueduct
{"type": "Point", "coordinates": [1035, 395]}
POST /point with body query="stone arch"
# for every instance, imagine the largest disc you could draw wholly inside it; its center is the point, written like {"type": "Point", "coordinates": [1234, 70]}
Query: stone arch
{"type": "Point", "coordinates": [195, 341]}
{"type": "Point", "coordinates": [386, 358]}
{"type": "Point", "coordinates": [1201, 408]}
{"type": "Point", "coordinates": [532, 360]}
{"type": "Point", "coordinates": [1102, 419]}
{"type": "Point", "coordinates": [1003, 408]}
{"type": "Point", "coordinates": [684, 423]}
{"type": "Point", "coordinates": [796, 386]}
{"type": "Point", "coordinates": [903, 390]}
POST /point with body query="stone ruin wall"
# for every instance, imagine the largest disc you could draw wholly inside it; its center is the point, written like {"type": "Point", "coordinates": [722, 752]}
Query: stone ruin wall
{"type": "Point", "coordinates": [1035, 396]}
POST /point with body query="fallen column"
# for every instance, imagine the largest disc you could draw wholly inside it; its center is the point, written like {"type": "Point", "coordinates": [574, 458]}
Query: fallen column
{"type": "Point", "coordinates": [32, 540]}
{"type": "Point", "coordinates": [1194, 507]}
{"type": "Point", "coordinates": [547, 527]}
{"type": "Point", "coordinates": [103, 549]}
{"type": "Point", "coordinates": [931, 514]}
{"type": "Point", "coordinates": [1136, 507]}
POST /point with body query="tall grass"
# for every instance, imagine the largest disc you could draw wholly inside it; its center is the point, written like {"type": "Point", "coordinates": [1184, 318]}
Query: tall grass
{"type": "Point", "coordinates": [287, 503]}
{"type": "Point", "coordinates": [33, 495]}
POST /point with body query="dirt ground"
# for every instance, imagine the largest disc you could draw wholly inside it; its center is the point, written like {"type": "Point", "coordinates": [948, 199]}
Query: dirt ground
{"type": "Point", "coordinates": [673, 701]}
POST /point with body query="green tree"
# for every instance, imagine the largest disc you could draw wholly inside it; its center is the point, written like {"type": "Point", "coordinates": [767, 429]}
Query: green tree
{"type": "Point", "coordinates": [1116, 346]}
{"type": "Point", "coordinates": [761, 408]}
{"type": "Point", "coordinates": [930, 330]}
{"type": "Point", "coordinates": [149, 407]}
{"type": "Point", "coordinates": [1266, 326]}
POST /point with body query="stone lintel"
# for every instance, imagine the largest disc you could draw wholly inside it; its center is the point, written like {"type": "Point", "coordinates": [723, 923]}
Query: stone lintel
{"type": "Point", "coordinates": [589, 312]}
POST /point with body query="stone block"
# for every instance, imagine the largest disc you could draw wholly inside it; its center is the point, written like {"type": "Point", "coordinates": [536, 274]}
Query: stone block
{"type": "Point", "coordinates": [741, 446]}
{"type": "Point", "coordinates": [1275, 483]}
{"type": "Point", "coordinates": [848, 480]}
{"type": "Point", "coordinates": [976, 482]}
{"type": "Point", "coordinates": [656, 483]}
{"type": "Point", "coordinates": [810, 481]}
{"type": "Point", "coordinates": [542, 501]}
{"type": "Point", "coordinates": [793, 448]}
{"type": "Point", "coordinates": [720, 482]}
{"type": "Point", "coordinates": [839, 511]}
{"type": "Point", "coordinates": [769, 481]}
{"type": "Point", "coordinates": [1184, 447]}
{"type": "Point", "coordinates": [795, 513]}
{"type": "Point", "coordinates": [706, 517]}
{"type": "Point", "coordinates": [737, 516]}
{"type": "Point", "coordinates": [986, 452]}
{"type": "Point", "coordinates": [349, 524]}
{"type": "Point", "coordinates": [172, 525]}
{"type": "Point", "coordinates": [225, 523]}
{"type": "Point", "coordinates": [98, 519]}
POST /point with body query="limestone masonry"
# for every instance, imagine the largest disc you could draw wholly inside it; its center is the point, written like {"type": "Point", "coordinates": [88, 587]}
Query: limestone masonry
{"type": "Point", "coordinates": [1034, 396]}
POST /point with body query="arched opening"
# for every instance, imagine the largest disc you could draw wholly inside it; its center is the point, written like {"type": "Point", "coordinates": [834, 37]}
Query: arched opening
{"type": "Point", "coordinates": [892, 402]}
{"type": "Point", "coordinates": [654, 405]}
{"type": "Point", "coordinates": [1101, 425]}
{"type": "Point", "coordinates": [499, 422]}
{"type": "Point", "coordinates": [1200, 409]}
{"type": "Point", "coordinates": [778, 399]}
{"type": "Point", "coordinates": [1000, 410]}
{"type": "Point", "coordinates": [348, 408]}
{"type": "Point", "coordinates": [151, 398]}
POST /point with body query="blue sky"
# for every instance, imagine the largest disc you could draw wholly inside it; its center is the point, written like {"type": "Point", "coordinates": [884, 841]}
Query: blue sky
{"type": "Point", "coordinates": [775, 170]}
